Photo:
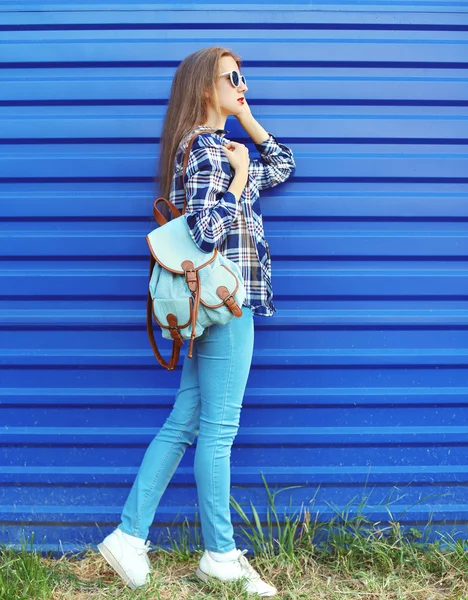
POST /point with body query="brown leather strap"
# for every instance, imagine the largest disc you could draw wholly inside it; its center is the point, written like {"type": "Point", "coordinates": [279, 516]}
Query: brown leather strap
{"type": "Point", "coordinates": [194, 315]}
{"type": "Point", "coordinates": [171, 364]}
{"type": "Point", "coordinates": [229, 300]}
{"type": "Point", "coordinates": [160, 218]}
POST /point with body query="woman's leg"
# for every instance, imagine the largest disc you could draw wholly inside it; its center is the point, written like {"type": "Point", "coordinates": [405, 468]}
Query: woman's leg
{"type": "Point", "coordinates": [164, 454]}
{"type": "Point", "coordinates": [224, 359]}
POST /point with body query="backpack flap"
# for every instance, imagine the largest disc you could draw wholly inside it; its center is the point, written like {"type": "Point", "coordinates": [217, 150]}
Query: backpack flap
{"type": "Point", "coordinates": [219, 283]}
{"type": "Point", "coordinates": [171, 245]}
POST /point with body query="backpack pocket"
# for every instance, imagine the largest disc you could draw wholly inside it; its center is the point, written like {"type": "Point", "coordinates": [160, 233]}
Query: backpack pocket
{"type": "Point", "coordinates": [178, 307]}
{"type": "Point", "coordinates": [221, 276]}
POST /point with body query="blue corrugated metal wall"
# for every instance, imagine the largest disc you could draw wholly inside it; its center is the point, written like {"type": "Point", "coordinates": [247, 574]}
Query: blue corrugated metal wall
{"type": "Point", "coordinates": [359, 384]}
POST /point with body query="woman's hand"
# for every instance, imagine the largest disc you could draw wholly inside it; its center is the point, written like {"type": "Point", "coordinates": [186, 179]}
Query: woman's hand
{"type": "Point", "coordinates": [238, 156]}
{"type": "Point", "coordinates": [244, 111]}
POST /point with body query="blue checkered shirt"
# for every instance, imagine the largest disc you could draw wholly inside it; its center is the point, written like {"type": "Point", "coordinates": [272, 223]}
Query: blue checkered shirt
{"type": "Point", "coordinates": [217, 220]}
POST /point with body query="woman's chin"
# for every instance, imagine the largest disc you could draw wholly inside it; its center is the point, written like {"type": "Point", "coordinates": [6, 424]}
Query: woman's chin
{"type": "Point", "coordinates": [235, 112]}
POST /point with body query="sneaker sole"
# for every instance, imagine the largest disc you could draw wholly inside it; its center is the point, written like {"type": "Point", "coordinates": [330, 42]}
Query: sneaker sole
{"type": "Point", "coordinates": [114, 563]}
{"type": "Point", "coordinates": [204, 577]}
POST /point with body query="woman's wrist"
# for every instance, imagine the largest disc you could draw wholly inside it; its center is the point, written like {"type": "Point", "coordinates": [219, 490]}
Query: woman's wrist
{"type": "Point", "coordinates": [238, 184]}
{"type": "Point", "coordinates": [242, 174]}
{"type": "Point", "coordinates": [257, 133]}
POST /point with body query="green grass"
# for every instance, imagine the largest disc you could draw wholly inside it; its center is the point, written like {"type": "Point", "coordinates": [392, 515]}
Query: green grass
{"type": "Point", "coordinates": [23, 574]}
{"type": "Point", "coordinates": [348, 557]}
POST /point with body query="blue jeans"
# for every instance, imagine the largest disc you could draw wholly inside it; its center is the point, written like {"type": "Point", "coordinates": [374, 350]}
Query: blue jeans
{"type": "Point", "coordinates": [208, 404]}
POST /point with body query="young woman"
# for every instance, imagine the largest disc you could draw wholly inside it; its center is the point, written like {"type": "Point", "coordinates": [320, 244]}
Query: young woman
{"type": "Point", "coordinates": [223, 211]}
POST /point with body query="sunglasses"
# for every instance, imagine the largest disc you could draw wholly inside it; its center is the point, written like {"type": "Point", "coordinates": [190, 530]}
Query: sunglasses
{"type": "Point", "coordinates": [235, 78]}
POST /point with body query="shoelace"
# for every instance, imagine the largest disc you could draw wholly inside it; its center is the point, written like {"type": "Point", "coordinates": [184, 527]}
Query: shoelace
{"type": "Point", "coordinates": [247, 567]}
{"type": "Point", "coordinates": [143, 551]}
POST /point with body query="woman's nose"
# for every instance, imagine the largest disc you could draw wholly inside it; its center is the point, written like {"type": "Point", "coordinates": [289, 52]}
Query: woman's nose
{"type": "Point", "coordinates": [242, 87]}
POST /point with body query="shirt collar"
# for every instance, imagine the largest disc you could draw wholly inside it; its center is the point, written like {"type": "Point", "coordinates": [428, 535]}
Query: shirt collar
{"type": "Point", "coordinates": [218, 131]}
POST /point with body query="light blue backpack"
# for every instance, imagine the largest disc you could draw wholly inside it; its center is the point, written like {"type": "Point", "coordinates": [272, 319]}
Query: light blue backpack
{"type": "Point", "coordinates": [189, 289]}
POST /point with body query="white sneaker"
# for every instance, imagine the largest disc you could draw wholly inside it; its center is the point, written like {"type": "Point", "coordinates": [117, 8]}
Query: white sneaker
{"type": "Point", "coordinates": [130, 561]}
{"type": "Point", "coordinates": [234, 569]}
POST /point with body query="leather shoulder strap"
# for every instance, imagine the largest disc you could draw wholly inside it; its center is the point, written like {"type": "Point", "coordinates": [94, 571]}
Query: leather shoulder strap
{"type": "Point", "coordinates": [171, 364]}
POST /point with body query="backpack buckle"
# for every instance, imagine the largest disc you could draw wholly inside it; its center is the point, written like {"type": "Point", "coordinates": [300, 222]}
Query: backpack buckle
{"type": "Point", "coordinates": [190, 275]}
{"type": "Point", "coordinates": [229, 300]}
{"type": "Point", "coordinates": [174, 330]}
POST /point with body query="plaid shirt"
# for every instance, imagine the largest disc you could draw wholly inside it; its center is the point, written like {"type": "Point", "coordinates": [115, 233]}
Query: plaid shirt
{"type": "Point", "coordinates": [217, 220]}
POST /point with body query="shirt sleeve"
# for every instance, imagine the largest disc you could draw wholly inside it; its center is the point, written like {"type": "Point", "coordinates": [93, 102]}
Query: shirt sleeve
{"type": "Point", "coordinates": [210, 209]}
{"type": "Point", "coordinates": [276, 163]}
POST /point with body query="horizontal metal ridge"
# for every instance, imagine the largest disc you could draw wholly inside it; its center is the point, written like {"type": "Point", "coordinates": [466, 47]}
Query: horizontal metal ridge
{"type": "Point", "coordinates": [290, 475]}
{"type": "Point", "coordinates": [283, 270]}
{"type": "Point", "coordinates": [92, 515]}
{"type": "Point", "coordinates": [268, 358]}
{"type": "Point", "coordinates": [330, 203]}
{"type": "Point", "coordinates": [276, 436]}
{"type": "Point", "coordinates": [326, 14]}
{"type": "Point", "coordinates": [287, 318]}
{"type": "Point", "coordinates": [164, 396]}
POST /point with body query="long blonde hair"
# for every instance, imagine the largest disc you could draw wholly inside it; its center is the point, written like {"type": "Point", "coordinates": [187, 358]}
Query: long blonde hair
{"type": "Point", "coordinates": [193, 86]}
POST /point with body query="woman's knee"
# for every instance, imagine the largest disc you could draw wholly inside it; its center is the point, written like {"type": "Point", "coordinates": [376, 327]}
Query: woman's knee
{"type": "Point", "coordinates": [223, 431]}
{"type": "Point", "coordinates": [185, 430]}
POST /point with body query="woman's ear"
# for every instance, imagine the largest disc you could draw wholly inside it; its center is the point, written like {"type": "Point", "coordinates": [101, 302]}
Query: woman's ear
{"type": "Point", "coordinates": [208, 93]}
